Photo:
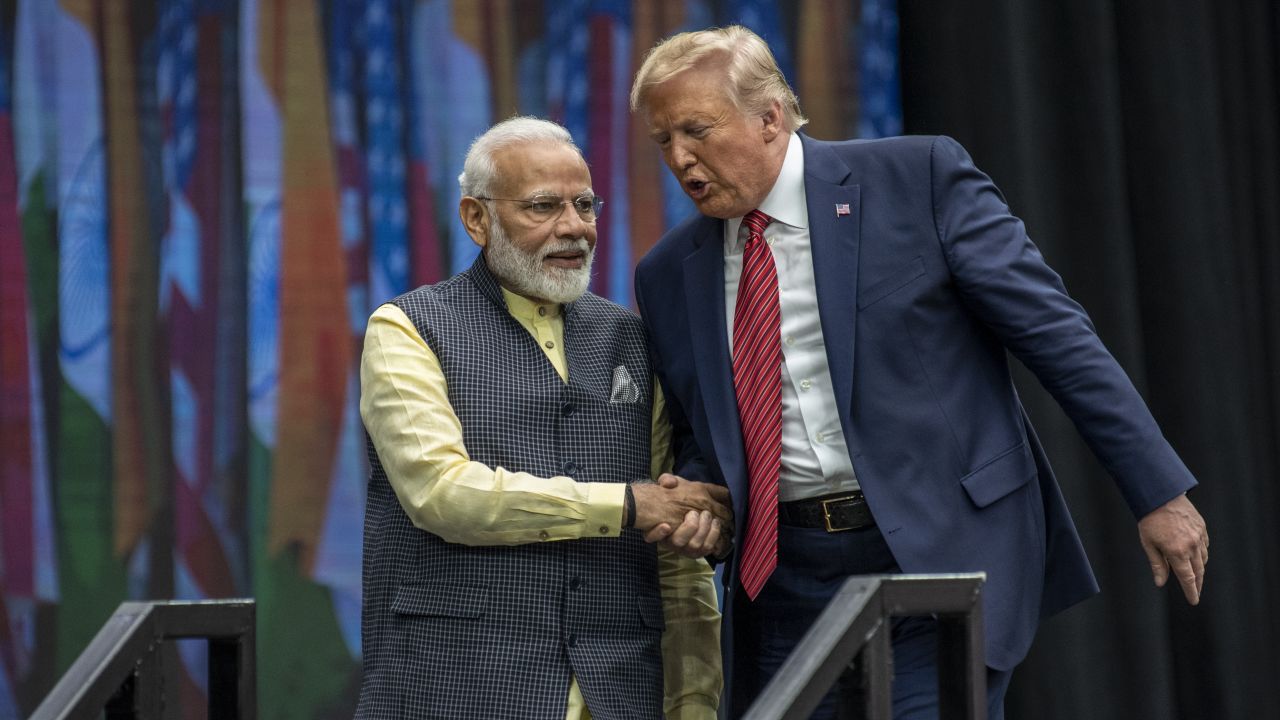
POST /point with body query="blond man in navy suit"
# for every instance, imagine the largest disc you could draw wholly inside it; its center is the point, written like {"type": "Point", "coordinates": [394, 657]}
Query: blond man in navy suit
{"type": "Point", "coordinates": [904, 284]}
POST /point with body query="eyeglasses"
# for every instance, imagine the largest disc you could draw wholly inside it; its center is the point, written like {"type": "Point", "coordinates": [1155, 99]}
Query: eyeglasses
{"type": "Point", "coordinates": [545, 207]}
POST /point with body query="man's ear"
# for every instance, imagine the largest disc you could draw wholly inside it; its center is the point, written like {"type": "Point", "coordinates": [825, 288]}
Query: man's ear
{"type": "Point", "coordinates": [475, 218]}
{"type": "Point", "coordinates": [772, 121]}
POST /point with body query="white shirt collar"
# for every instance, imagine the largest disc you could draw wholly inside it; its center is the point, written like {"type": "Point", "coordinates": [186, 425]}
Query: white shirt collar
{"type": "Point", "coordinates": [785, 202]}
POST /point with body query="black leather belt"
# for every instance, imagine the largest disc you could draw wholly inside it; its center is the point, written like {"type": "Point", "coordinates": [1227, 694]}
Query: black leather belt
{"type": "Point", "coordinates": [833, 513]}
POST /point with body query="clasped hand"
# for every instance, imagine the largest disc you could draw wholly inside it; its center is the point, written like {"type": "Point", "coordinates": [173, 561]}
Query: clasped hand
{"type": "Point", "coordinates": [692, 518]}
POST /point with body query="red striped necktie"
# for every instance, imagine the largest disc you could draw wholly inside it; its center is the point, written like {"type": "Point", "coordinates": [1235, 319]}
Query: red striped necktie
{"type": "Point", "coordinates": [757, 382]}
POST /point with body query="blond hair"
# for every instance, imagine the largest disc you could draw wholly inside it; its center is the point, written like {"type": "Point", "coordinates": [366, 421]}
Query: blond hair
{"type": "Point", "coordinates": [754, 79]}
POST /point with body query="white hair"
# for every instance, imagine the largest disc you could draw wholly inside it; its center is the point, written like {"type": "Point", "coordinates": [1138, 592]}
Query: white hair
{"type": "Point", "coordinates": [524, 272]}
{"type": "Point", "coordinates": [478, 169]}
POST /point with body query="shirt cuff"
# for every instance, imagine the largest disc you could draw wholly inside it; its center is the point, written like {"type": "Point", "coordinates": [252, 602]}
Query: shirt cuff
{"type": "Point", "coordinates": [703, 708]}
{"type": "Point", "coordinates": [605, 502]}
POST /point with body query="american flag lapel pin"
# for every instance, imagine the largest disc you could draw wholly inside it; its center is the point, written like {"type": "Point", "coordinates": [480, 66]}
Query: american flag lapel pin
{"type": "Point", "coordinates": [842, 209]}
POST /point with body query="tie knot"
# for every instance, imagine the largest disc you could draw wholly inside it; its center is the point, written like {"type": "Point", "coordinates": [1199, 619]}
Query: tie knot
{"type": "Point", "coordinates": [756, 221]}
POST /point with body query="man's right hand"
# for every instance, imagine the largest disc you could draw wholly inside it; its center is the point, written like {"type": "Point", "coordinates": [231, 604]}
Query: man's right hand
{"type": "Point", "coordinates": [692, 518]}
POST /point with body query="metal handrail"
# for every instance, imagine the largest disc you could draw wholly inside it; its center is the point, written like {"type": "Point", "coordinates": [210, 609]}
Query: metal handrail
{"type": "Point", "coordinates": [855, 624]}
{"type": "Point", "coordinates": [121, 669]}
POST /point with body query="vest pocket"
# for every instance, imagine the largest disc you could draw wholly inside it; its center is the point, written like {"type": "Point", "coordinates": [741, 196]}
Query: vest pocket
{"type": "Point", "coordinates": [460, 601]}
{"type": "Point", "coordinates": [650, 607]}
{"type": "Point", "coordinates": [1000, 476]}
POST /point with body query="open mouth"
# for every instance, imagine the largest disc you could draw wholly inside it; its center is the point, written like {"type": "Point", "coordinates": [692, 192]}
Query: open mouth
{"type": "Point", "coordinates": [695, 188]}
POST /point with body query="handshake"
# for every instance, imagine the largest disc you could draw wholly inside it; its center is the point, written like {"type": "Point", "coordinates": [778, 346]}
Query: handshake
{"type": "Point", "coordinates": [694, 519]}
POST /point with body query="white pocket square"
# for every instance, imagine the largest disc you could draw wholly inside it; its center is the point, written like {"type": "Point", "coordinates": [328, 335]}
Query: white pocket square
{"type": "Point", "coordinates": [624, 389]}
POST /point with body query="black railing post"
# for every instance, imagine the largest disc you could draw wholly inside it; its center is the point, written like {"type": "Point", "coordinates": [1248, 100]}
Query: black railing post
{"type": "Point", "coordinates": [876, 660]}
{"type": "Point", "coordinates": [232, 683]}
{"type": "Point", "coordinates": [857, 623]}
{"type": "Point", "coordinates": [123, 671]}
{"type": "Point", "coordinates": [149, 683]}
{"type": "Point", "coordinates": [962, 682]}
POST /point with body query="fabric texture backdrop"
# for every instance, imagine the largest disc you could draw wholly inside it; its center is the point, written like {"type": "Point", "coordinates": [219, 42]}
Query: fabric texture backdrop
{"type": "Point", "coordinates": [1140, 142]}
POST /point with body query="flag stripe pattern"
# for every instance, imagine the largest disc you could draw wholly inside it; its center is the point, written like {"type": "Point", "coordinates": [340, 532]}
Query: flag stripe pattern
{"type": "Point", "coordinates": [201, 201]}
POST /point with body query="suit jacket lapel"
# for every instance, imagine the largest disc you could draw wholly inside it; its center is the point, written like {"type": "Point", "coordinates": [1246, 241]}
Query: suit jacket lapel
{"type": "Point", "coordinates": [704, 301]}
{"type": "Point", "coordinates": [834, 237]}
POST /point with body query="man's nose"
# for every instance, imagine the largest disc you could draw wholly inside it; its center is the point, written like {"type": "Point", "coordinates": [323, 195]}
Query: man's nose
{"type": "Point", "coordinates": [681, 157]}
{"type": "Point", "coordinates": [570, 224]}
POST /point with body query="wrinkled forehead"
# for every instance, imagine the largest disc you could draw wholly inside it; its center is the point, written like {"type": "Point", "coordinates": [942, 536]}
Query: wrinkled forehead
{"type": "Point", "coordinates": [696, 91]}
{"type": "Point", "coordinates": [541, 168]}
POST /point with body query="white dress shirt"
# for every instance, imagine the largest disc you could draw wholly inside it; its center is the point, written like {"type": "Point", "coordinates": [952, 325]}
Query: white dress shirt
{"type": "Point", "coordinates": [815, 460]}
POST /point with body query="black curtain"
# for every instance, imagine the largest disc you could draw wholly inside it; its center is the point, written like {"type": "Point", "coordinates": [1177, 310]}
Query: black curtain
{"type": "Point", "coordinates": [1140, 142]}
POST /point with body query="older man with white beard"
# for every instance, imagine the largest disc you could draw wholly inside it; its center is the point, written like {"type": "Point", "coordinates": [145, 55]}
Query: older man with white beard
{"type": "Point", "coordinates": [513, 427]}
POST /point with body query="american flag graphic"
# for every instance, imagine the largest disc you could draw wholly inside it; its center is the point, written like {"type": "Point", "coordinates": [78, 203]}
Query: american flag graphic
{"type": "Point", "coordinates": [208, 540]}
{"type": "Point", "coordinates": [201, 201]}
{"type": "Point", "coordinates": [385, 163]}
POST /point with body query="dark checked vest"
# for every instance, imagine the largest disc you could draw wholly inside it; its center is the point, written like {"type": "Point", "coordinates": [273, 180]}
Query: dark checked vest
{"type": "Point", "coordinates": [452, 631]}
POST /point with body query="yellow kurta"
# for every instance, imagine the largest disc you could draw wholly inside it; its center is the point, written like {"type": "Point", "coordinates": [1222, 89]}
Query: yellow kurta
{"type": "Point", "coordinates": [405, 406]}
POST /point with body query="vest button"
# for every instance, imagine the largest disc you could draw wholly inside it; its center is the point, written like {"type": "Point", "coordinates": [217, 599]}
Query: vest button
{"type": "Point", "coordinates": [570, 468]}
{"type": "Point", "coordinates": [575, 583]}
{"type": "Point", "coordinates": [573, 640]}
{"type": "Point", "coordinates": [567, 408]}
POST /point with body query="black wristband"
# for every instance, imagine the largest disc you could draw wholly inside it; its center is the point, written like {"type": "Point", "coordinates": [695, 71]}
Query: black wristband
{"type": "Point", "coordinates": [629, 508]}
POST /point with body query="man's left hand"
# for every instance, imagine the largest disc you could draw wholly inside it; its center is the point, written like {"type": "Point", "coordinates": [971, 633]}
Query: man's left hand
{"type": "Point", "coordinates": [699, 535]}
{"type": "Point", "coordinates": [1174, 537]}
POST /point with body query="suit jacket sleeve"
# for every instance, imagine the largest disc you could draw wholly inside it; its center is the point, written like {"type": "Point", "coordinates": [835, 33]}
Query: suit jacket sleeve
{"type": "Point", "coordinates": [687, 461]}
{"type": "Point", "coordinates": [1002, 278]}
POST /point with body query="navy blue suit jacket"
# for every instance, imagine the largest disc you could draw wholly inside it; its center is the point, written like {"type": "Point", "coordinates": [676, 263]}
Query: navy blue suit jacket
{"type": "Point", "coordinates": [922, 287]}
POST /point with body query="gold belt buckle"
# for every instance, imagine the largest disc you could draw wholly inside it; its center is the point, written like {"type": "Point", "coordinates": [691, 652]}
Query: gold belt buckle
{"type": "Point", "coordinates": [826, 513]}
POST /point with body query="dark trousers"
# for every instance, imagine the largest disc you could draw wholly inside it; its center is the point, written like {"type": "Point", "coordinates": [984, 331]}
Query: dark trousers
{"type": "Point", "coordinates": [812, 565]}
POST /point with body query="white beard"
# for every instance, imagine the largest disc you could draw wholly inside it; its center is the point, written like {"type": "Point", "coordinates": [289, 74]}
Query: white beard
{"type": "Point", "coordinates": [525, 273]}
